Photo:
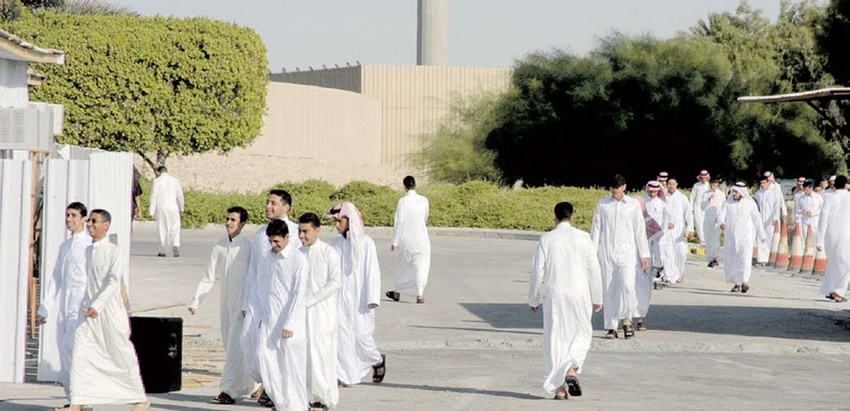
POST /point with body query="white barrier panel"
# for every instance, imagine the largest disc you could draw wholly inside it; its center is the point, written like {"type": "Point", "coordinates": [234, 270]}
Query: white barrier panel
{"type": "Point", "coordinates": [15, 232]}
{"type": "Point", "coordinates": [111, 189]}
{"type": "Point", "coordinates": [66, 181]}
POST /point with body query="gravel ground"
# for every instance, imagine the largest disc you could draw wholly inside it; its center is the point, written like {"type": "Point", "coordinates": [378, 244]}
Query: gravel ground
{"type": "Point", "coordinates": [246, 173]}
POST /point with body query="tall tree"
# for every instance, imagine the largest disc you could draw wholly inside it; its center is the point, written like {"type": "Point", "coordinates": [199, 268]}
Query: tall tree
{"type": "Point", "coordinates": [154, 86]}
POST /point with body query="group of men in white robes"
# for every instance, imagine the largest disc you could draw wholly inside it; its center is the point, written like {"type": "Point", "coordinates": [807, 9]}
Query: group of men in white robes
{"type": "Point", "coordinates": [410, 239]}
{"type": "Point", "coordinates": [833, 237]}
{"type": "Point", "coordinates": [166, 208]}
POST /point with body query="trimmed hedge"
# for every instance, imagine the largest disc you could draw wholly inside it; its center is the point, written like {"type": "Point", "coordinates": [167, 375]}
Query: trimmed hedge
{"type": "Point", "coordinates": [473, 204]}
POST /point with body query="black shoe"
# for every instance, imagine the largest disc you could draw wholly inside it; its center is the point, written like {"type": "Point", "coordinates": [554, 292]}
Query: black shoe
{"type": "Point", "coordinates": [735, 289]}
{"type": "Point", "coordinates": [628, 331]}
{"type": "Point", "coordinates": [573, 387]}
{"type": "Point", "coordinates": [745, 287]}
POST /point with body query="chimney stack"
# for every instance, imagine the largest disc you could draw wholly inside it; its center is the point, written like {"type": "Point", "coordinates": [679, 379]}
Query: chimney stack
{"type": "Point", "coordinates": [432, 33]}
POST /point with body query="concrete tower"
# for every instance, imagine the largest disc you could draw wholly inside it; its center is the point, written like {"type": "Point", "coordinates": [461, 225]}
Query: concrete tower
{"type": "Point", "coordinates": [432, 33]}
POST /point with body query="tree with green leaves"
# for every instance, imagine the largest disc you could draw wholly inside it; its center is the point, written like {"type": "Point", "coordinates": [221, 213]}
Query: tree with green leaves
{"type": "Point", "coordinates": [154, 86]}
{"type": "Point", "coordinates": [455, 153]}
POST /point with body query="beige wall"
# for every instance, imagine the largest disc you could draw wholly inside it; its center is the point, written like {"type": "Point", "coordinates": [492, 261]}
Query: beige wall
{"type": "Point", "coordinates": [413, 99]}
{"type": "Point", "coordinates": [416, 98]}
{"type": "Point", "coordinates": [320, 123]}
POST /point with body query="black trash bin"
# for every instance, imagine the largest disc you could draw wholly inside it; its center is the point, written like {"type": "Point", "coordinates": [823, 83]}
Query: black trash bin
{"type": "Point", "coordinates": [159, 346]}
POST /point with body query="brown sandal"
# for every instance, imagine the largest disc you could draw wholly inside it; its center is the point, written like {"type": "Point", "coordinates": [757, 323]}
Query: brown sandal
{"type": "Point", "coordinates": [380, 367]}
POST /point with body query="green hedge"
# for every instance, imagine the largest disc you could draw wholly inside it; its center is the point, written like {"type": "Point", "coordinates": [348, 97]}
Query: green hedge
{"type": "Point", "coordinates": [473, 204]}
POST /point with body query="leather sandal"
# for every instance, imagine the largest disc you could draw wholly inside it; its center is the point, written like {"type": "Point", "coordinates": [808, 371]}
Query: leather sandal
{"type": "Point", "coordinates": [393, 295]}
{"type": "Point", "coordinates": [573, 387]}
{"type": "Point", "coordinates": [382, 367]}
{"type": "Point", "coordinates": [223, 398]}
{"type": "Point", "coordinates": [628, 331]}
{"type": "Point", "coordinates": [612, 334]}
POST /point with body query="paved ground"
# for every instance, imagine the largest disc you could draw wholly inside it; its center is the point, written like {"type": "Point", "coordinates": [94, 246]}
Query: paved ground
{"type": "Point", "coordinates": [474, 345]}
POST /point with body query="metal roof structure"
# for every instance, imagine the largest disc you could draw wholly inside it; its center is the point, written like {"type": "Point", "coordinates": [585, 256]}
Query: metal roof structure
{"type": "Point", "coordinates": [13, 47]}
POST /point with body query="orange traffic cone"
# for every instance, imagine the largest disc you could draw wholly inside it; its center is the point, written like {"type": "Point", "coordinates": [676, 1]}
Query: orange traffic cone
{"type": "Point", "coordinates": [796, 249]}
{"type": "Point", "coordinates": [782, 252]}
{"type": "Point", "coordinates": [774, 245]}
{"type": "Point", "coordinates": [820, 263]}
{"type": "Point", "coordinates": [809, 256]}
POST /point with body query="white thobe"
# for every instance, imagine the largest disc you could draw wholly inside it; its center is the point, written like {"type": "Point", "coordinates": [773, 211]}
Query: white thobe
{"type": "Point", "coordinates": [807, 209]}
{"type": "Point", "coordinates": [260, 250]}
{"type": "Point", "coordinates": [361, 286]}
{"type": "Point", "coordinates": [283, 361]}
{"type": "Point", "coordinates": [165, 208]}
{"type": "Point", "coordinates": [104, 368]}
{"type": "Point", "coordinates": [410, 236]}
{"type": "Point", "coordinates": [619, 233]}
{"type": "Point", "coordinates": [660, 251]}
{"type": "Point", "coordinates": [323, 322]}
{"type": "Point", "coordinates": [680, 209]}
{"type": "Point", "coordinates": [712, 203]}
{"type": "Point", "coordinates": [62, 300]}
{"type": "Point", "coordinates": [698, 190]}
{"type": "Point", "coordinates": [834, 237]}
{"type": "Point", "coordinates": [743, 224]}
{"type": "Point", "coordinates": [229, 261]}
{"type": "Point", "coordinates": [771, 209]}
{"type": "Point", "coordinates": [566, 279]}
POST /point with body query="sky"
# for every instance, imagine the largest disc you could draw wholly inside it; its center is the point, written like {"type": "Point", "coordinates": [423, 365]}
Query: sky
{"type": "Point", "coordinates": [482, 33]}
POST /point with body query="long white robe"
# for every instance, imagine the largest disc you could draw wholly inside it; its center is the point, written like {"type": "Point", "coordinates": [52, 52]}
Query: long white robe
{"type": "Point", "coordinates": [743, 225]}
{"type": "Point", "coordinates": [361, 286]}
{"type": "Point", "coordinates": [104, 366]}
{"type": "Point", "coordinates": [567, 280]}
{"type": "Point", "coordinates": [283, 361]}
{"type": "Point", "coordinates": [619, 233]}
{"type": "Point", "coordinates": [323, 322]}
{"type": "Point", "coordinates": [660, 251]}
{"type": "Point", "coordinates": [680, 209]}
{"type": "Point", "coordinates": [165, 208]}
{"type": "Point", "coordinates": [771, 209]}
{"type": "Point", "coordinates": [834, 237]}
{"type": "Point", "coordinates": [62, 300]}
{"type": "Point", "coordinates": [410, 235]}
{"type": "Point", "coordinates": [712, 203]}
{"type": "Point", "coordinates": [698, 190]}
{"type": "Point", "coordinates": [260, 250]}
{"type": "Point", "coordinates": [807, 209]}
{"type": "Point", "coordinates": [229, 262]}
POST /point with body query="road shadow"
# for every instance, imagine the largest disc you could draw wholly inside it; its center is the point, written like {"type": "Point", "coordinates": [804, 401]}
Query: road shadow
{"type": "Point", "coordinates": [463, 390]}
{"type": "Point", "coordinates": [775, 322]}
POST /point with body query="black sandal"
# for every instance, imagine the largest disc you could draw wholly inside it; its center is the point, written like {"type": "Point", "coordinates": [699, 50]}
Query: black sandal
{"type": "Point", "coordinates": [612, 334]}
{"type": "Point", "coordinates": [223, 398]}
{"type": "Point", "coordinates": [392, 295]}
{"type": "Point", "coordinates": [628, 331]}
{"type": "Point", "coordinates": [641, 326]}
{"type": "Point", "coordinates": [573, 387]}
{"type": "Point", "coordinates": [382, 367]}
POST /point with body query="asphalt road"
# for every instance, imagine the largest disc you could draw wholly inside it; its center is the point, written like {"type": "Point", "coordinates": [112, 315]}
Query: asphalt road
{"type": "Point", "coordinates": [475, 346]}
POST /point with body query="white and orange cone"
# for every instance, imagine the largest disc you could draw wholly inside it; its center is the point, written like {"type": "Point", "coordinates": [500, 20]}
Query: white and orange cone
{"type": "Point", "coordinates": [774, 245]}
{"type": "Point", "coordinates": [796, 250]}
{"type": "Point", "coordinates": [782, 252]}
{"type": "Point", "coordinates": [809, 257]}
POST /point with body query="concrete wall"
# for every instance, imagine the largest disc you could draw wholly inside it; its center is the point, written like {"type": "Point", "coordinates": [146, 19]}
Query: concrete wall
{"type": "Point", "coordinates": [320, 123]}
{"type": "Point", "coordinates": [415, 99]}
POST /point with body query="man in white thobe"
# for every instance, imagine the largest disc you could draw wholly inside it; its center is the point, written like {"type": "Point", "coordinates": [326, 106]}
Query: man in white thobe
{"type": "Point", "coordinates": [166, 209]}
{"type": "Point", "coordinates": [567, 280]}
{"type": "Point", "coordinates": [680, 209]}
{"type": "Point", "coordinates": [807, 209]}
{"type": "Point", "coordinates": [278, 204]}
{"type": "Point", "coordinates": [830, 189]}
{"type": "Point", "coordinates": [699, 188]}
{"type": "Point", "coordinates": [739, 220]}
{"type": "Point", "coordinates": [64, 291]}
{"type": "Point", "coordinates": [359, 296]}
{"type": "Point", "coordinates": [282, 318]}
{"type": "Point", "coordinates": [322, 314]}
{"type": "Point", "coordinates": [104, 366]}
{"type": "Point", "coordinates": [771, 205]}
{"type": "Point", "coordinates": [410, 237]}
{"type": "Point", "coordinates": [833, 236]}
{"type": "Point", "coordinates": [658, 220]}
{"type": "Point", "coordinates": [619, 233]}
{"type": "Point", "coordinates": [229, 262]}
{"type": "Point", "coordinates": [712, 203]}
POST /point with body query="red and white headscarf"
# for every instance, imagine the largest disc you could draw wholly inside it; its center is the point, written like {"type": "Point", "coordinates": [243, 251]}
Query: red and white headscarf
{"type": "Point", "coordinates": [769, 176]}
{"type": "Point", "coordinates": [355, 234]}
{"type": "Point", "coordinates": [656, 186]}
{"type": "Point", "coordinates": [704, 173]}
